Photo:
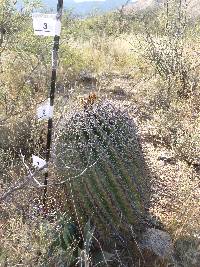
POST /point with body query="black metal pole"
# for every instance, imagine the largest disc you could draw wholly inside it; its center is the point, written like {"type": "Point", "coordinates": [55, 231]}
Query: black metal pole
{"type": "Point", "coordinates": [52, 96]}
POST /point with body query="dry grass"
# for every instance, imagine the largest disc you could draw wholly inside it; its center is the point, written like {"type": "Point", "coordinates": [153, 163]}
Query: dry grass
{"type": "Point", "coordinates": [108, 54]}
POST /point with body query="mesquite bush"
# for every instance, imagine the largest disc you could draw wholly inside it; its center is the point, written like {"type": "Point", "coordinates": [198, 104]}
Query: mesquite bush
{"type": "Point", "coordinates": [99, 156]}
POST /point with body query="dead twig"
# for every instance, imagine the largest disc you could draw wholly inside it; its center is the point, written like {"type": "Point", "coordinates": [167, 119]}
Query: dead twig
{"type": "Point", "coordinates": [20, 185]}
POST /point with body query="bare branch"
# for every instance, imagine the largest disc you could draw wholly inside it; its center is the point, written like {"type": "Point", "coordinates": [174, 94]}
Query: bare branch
{"type": "Point", "coordinates": [21, 185]}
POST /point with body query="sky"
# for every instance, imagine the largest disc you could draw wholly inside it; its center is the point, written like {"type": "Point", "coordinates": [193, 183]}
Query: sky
{"type": "Point", "coordinates": [96, 0]}
{"type": "Point", "coordinates": [79, 1]}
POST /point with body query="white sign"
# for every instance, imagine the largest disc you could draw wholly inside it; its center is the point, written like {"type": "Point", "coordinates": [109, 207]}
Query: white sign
{"type": "Point", "coordinates": [45, 111]}
{"type": "Point", "coordinates": [46, 24]}
{"type": "Point", "coordinates": [38, 162]}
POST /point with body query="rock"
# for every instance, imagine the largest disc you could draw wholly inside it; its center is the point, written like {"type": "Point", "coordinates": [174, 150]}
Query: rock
{"type": "Point", "coordinates": [87, 77]}
{"type": "Point", "coordinates": [118, 91]}
{"type": "Point", "coordinates": [157, 248]}
{"type": "Point", "coordinates": [196, 163]}
{"type": "Point", "coordinates": [188, 250]}
{"type": "Point", "coordinates": [60, 88]}
{"type": "Point", "coordinates": [167, 158]}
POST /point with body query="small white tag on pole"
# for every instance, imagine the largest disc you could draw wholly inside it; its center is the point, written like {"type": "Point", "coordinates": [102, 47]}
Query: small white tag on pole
{"type": "Point", "coordinates": [46, 24]}
{"type": "Point", "coordinates": [45, 111]}
{"type": "Point", "coordinates": [38, 162]}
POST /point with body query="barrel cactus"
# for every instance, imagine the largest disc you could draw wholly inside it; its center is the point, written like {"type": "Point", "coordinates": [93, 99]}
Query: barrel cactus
{"type": "Point", "coordinates": [99, 157]}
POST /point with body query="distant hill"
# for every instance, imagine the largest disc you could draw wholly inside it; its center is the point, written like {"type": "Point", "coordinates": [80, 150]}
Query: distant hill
{"type": "Point", "coordinates": [86, 7]}
{"type": "Point", "coordinates": [143, 4]}
{"type": "Point", "coordinates": [193, 6]}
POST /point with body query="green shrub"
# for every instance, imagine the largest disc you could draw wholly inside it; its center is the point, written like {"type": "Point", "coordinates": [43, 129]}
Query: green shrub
{"type": "Point", "coordinates": [168, 50]}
